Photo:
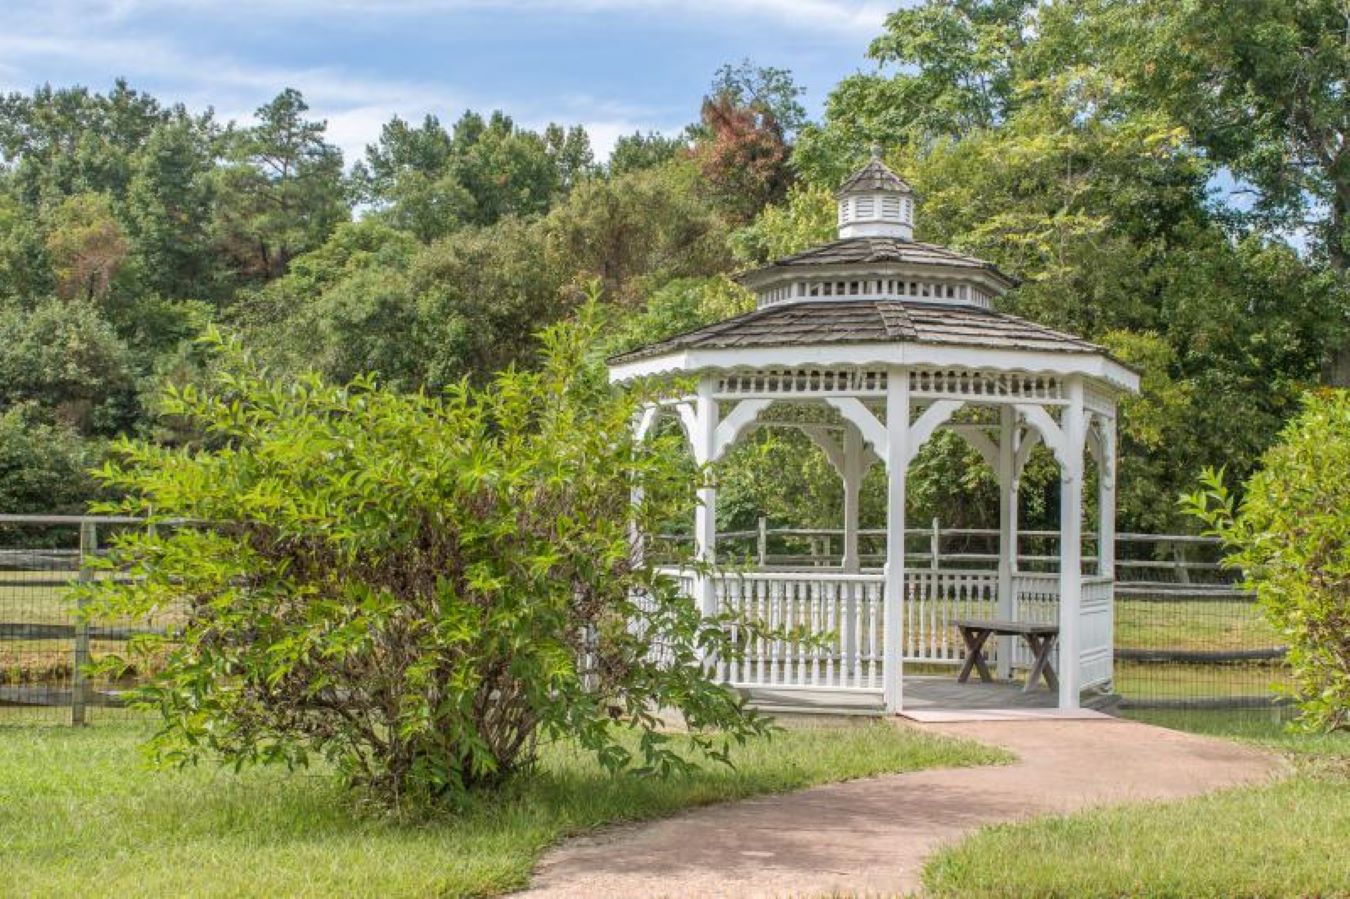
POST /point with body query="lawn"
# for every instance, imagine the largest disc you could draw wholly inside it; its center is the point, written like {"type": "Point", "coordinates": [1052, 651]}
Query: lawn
{"type": "Point", "coordinates": [1189, 624]}
{"type": "Point", "coordinates": [1288, 838]}
{"type": "Point", "coordinates": [81, 815]}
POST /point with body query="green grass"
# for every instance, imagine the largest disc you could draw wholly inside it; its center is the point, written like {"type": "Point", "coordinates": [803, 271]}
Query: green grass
{"type": "Point", "coordinates": [1144, 681]}
{"type": "Point", "coordinates": [1288, 838]}
{"type": "Point", "coordinates": [81, 815]}
{"type": "Point", "coordinates": [1193, 625]}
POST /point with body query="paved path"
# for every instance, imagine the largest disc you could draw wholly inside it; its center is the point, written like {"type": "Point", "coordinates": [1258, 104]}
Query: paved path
{"type": "Point", "coordinates": [871, 837]}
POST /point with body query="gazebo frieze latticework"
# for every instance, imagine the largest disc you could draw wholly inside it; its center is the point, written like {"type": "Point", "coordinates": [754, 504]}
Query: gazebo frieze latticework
{"type": "Point", "coordinates": [895, 362]}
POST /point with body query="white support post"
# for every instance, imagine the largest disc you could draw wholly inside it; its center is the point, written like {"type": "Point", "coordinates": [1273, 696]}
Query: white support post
{"type": "Point", "coordinates": [852, 474]}
{"type": "Point", "coordinates": [852, 477]}
{"type": "Point", "coordinates": [896, 457]}
{"type": "Point", "coordinates": [1074, 431]}
{"type": "Point", "coordinates": [1007, 532]}
{"type": "Point", "coordinates": [1106, 516]}
{"type": "Point", "coordinates": [1106, 500]}
{"type": "Point", "coordinates": [703, 436]}
{"type": "Point", "coordinates": [642, 425]}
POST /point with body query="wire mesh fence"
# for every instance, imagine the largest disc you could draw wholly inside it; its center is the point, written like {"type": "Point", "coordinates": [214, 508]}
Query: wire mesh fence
{"type": "Point", "coordinates": [1188, 639]}
{"type": "Point", "coordinates": [46, 644]}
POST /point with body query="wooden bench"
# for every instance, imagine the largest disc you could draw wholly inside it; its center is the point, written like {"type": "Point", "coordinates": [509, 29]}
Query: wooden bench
{"type": "Point", "coordinates": [1039, 637]}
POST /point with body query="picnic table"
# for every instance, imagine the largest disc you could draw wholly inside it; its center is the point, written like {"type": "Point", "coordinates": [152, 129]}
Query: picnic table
{"type": "Point", "coordinates": [1039, 636]}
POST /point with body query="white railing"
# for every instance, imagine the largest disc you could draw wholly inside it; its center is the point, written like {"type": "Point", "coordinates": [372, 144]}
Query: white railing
{"type": "Point", "coordinates": [826, 629]}
{"type": "Point", "coordinates": [933, 600]}
{"type": "Point", "coordinates": [1036, 599]}
{"type": "Point", "coordinates": [1096, 649]}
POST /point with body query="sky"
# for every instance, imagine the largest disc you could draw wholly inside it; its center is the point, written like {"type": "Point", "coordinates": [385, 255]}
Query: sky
{"type": "Point", "coordinates": [615, 66]}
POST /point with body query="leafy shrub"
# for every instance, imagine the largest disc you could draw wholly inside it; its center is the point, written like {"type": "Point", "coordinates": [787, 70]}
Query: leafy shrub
{"type": "Point", "coordinates": [419, 588]}
{"type": "Point", "coordinates": [43, 464]}
{"type": "Point", "coordinates": [1291, 536]}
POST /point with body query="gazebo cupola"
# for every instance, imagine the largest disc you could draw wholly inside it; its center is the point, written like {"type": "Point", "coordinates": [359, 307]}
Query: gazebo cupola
{"type": "Point", "coordinates": [876, 202]}
{"type": "Point", "coordinates": [876, 257]}
{"type": "Point", "coordinates": [891, 340]}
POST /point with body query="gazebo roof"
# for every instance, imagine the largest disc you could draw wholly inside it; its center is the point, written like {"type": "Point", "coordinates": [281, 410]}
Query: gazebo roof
{"type": "Point", "coordinates": [875, 177]}
{"type": "Point", "coordinates": [868, 250]}
{"type": "Point", "coordinates": [833, 322]}
{"type": "Point", "coordinates": [874, 297]}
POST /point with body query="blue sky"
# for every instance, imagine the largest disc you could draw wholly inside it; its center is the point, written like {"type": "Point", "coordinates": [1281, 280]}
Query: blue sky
{"type": "Point", "coordinates": [612, 65]}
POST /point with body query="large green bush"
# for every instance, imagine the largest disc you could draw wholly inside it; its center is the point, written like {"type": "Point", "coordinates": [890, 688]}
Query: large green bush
{"type": "Point", "coordinates": [1291, 536]}
{"type": "Point", "coordinates": [419, 588]}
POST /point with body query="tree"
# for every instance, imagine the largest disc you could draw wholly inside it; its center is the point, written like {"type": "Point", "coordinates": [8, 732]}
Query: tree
{"type": "Point", "coordinates": [1261, 85]}
{"type": "Point", "coordinates": [680, 305]}
{"type": "Point", "coordinates": [68, 141]}
{"type": "Point", "coordinates": [637, 232]}
{"type": "Point", "coordinates": [87, 247]}
{"type": "Point", "coordinates": [947, 68]}
{"type": "Point", "coordinates": [407, 178]}
{"type": "Point", "coordinates": [402, 148]}
{"type": "Point", "coordinates": [507, 170]}
{"type": "Point", "coordinates": [283, 192]}
{"type": "Point", "coordinates": [806, 218]}
{"type": "Point", "coordinates": [66, 358]}
{"type": "Point", "coordinates": [1290, 536]}
{"type": "Point", "coordinates": [742, 154]}
{"type": "Point", "coordinates": [168, 212]}
{"type": "Point", "coordinates": [570, 150]}
{"type": "Point", "coordinates": [433, 182]}
{"type": "Point", "coordinates": [44, 466]}
{"type": "Point", "coordinates": [762, 87]}
{"type": "Point", "coordinates": [419, 589]}
{"type": "Point", "coordinates": [25, 270]}
{"type": "Point", "coordinates": [637, 151]}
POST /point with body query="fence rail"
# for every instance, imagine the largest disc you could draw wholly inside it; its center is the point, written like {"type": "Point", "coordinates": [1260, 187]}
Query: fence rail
{"type": "Point", "coordinates": [1186, 635]}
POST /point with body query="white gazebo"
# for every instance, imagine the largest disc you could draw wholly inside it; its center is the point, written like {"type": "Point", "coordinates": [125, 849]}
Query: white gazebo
{"type": "Point", "coordinates": [897, 337]}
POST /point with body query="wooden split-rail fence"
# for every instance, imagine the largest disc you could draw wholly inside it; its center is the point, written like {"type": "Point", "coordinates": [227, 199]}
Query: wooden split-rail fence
{"type": "Point", "coordinates": [1184, 629]}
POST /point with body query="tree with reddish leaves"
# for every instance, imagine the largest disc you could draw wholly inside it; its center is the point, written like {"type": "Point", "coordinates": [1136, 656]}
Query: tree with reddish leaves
{"type": "Point", "coordinates": [742, 153]}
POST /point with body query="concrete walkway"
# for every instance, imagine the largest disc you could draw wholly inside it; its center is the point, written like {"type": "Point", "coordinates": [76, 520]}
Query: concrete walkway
{"type": "Point", "coordinates": [871, 837]}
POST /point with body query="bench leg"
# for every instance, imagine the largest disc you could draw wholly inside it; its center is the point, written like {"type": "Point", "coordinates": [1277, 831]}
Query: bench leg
{"type": "Point", "coordinates": [975, 640]}
{"type": "Point", "coordinates": [1040, 648]}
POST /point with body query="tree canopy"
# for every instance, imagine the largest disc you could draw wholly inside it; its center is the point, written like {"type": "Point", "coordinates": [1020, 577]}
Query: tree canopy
{"type": "Point", "coordinates": [1185, 209]}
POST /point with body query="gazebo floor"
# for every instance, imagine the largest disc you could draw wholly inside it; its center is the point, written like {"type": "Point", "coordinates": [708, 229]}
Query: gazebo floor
{"type": "Point", "coordinates": [939, 692]}
{"type": "Point", "coordinates": [922, 694]}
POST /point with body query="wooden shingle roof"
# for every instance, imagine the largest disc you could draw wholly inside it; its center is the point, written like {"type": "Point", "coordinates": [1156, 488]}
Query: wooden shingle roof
{"type": "Point", "coordinates": [873, 178]}
{"type": "Point", "coordinates": [863, 250]}
{"type": "Point", "coordinates": [868, 321]}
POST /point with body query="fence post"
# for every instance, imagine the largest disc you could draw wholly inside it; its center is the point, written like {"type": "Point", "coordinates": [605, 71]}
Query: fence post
{"type": "Point", "coordinates": [935, 545]}
{"type": "Point", "coordinates": [1179, 555]}
{"type": "Point", "coordinates": [79, 692]}
{"type": "Point", "coordinates": [763, 545]}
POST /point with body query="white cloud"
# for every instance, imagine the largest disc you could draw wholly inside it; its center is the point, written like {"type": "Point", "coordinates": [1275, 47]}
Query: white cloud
{"type": "Point", "coordinates": [843, 16]}
{"type": "Point", "coordinates": [93, 41]}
